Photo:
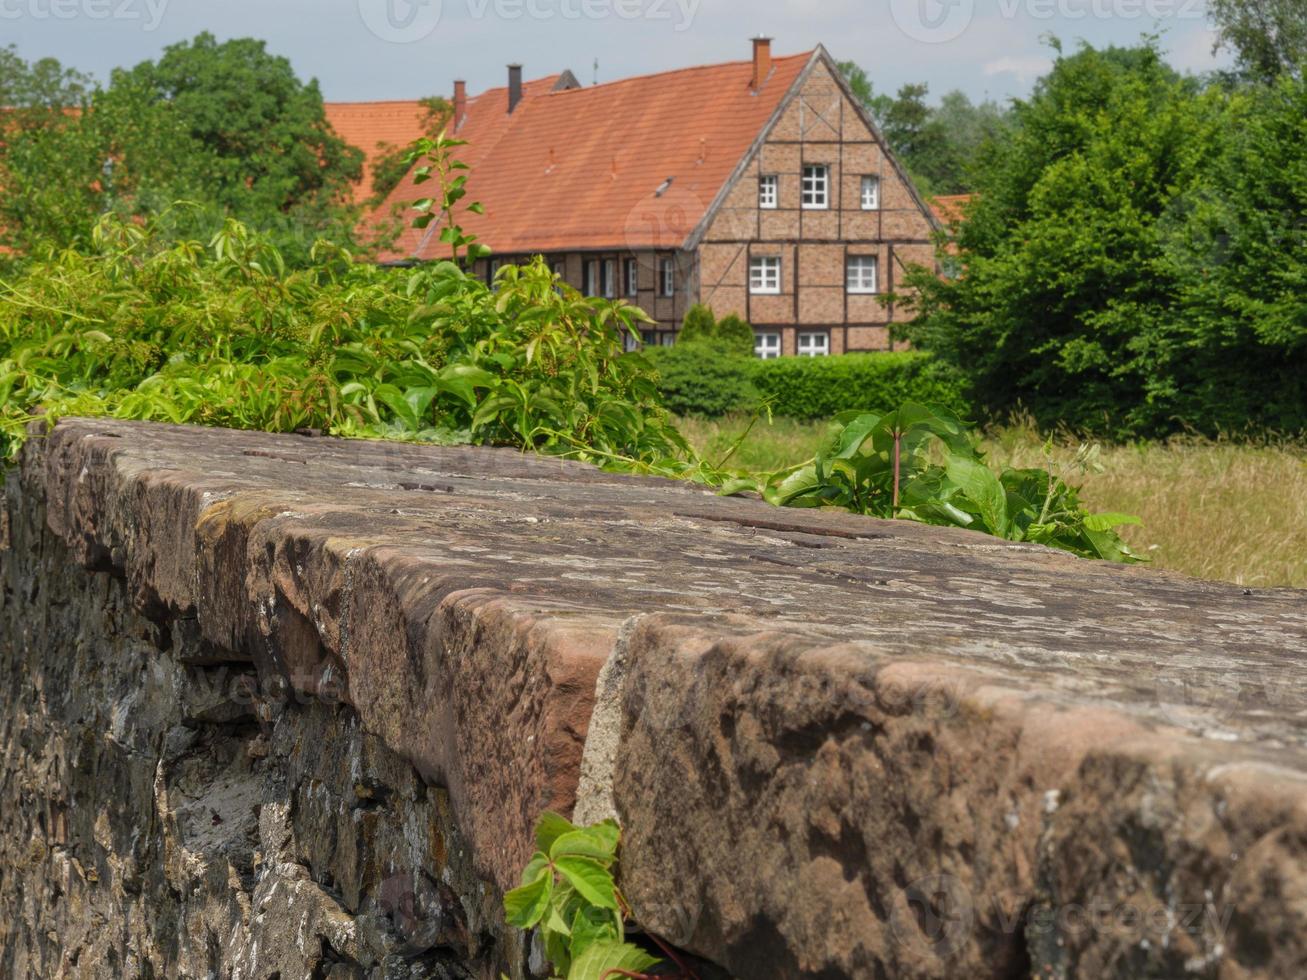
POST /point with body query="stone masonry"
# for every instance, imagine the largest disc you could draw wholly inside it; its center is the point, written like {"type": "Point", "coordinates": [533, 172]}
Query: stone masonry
{"type": "Point", "coordinates": [277, 706]}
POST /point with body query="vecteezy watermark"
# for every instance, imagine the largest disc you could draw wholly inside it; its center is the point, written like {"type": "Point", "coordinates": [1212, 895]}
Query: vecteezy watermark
{"type": "Point", "coordinates": [401, 21]}
{"type": "Point", "coordinates": [406, 21]}
{"type": "Point", "coordinates": [939, 21]}
{"type": "Point", "coordinates": [932, 21]}
{"type": "Point", "coordinates": [937, 916]}
{"type": "Point", "coordinates": [148, 12]}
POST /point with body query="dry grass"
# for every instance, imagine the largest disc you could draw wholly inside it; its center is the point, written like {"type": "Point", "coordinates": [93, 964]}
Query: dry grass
{"type": "Point", "coordinates": [1217, 510]}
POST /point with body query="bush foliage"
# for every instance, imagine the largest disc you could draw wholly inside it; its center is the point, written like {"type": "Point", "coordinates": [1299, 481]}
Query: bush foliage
{"type": "Point", "coordinates": [821, 387]}
{"type": "Point", "coordinates": [709, 380]}
{"type": "Point", "coordinates": [1136, 260]}
{"type": "Point", "coordinates": [228, 335]}
{"type": "Point", "coordinates": [920, 462]}
{"type": "Point", "coordinates": [704, 379]}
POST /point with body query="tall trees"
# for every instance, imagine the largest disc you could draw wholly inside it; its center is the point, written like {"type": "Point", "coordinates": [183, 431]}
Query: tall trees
{"type": "Point", "coordinates": [1268, 37]}
{"type": "Point", "coordinates": [1135, 260]}
{"type": "Point", "coordinates": [226, 126]}
{"type": "Point", "coordinates": [937, 144]}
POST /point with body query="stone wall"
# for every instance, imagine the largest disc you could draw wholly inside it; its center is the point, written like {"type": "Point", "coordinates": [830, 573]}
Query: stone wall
{"type": "Point", "coordinates": [286, 707]}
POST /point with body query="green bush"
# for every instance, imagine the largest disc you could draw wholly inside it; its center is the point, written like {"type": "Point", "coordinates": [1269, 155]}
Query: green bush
{"type": "Point", "coordinates": [1135, 262]}
{"type": "Point", "coordinates": [146, 329]}
{"type": "Point", "coordinates": [735, 334]}
{"type": "Point", "coordinates": [699, 325]}
{"type": "Point", "coordinates": [731, 334]}
{"type": "Point", "coordinates": [704, 378]}
{"type": "Point", "coordinates": [819, 387]}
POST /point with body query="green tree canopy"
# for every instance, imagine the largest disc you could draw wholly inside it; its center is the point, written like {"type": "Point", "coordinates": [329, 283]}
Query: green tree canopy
{"type": "Point", "coordinates": [227, 126]}
{"type": "Point", "coordinates": [1268, 37]}
{"type": "Point", "coordinates": [938, 144]}
{"type": "Point", "coordinates": [1134, 262]}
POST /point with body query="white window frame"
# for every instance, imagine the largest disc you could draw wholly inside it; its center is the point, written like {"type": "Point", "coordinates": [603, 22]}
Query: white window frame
{"type": "Point", "coordinates": [667, 339]}
{"type": "Point", "coordinates": [870, 192]}
{"type": "Point", "coordinates": [765, 275]}
{"type": "Point", "coordinates": [609, 272]}
{"type": "Point", "coordinates": [816, 187]}
{"type": "Point", "coordinates": [769, 192]}
{"type": "Point", "coordinates": [808, 339]}
{"type": "Point", "coordinates": [632, 277]}
{"type": "Point", "coordinates": [856, 280]}
{"type": "Point", "coordinates": [766, 345]}
{"type": "Point", "coordinates": [667, 277]}
{"type": "Point", "coordinates": [592, 277]}
{"type": "Point", "coordinates": [631, 341]}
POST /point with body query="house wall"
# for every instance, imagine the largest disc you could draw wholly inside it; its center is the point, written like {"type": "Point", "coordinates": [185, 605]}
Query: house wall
{"type": "Point", "coordinates": [819, 126]}
{"type": "Point", "coordinates": [667, 311]}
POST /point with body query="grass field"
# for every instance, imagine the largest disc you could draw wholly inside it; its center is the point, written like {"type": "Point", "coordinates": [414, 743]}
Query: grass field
{"type": "Point", "coordinates": [1217, 510]}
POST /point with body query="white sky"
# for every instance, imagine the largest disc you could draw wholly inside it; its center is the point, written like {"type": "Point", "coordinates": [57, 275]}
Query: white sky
{"type": "Point", "coordinates": [377, 49]}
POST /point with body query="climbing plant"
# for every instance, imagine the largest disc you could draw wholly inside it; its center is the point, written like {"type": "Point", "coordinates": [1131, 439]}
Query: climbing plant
{"type": "Point", "coordinates": [570, 895]}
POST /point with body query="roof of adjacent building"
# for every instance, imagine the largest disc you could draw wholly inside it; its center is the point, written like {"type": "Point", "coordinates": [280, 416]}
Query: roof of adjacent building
{"type": "Point", "coordinates": [375, 128]}
{"type": "Point", "coordinates": [635, 163]}
{"type": "Point", "coordinates": [950, 208]}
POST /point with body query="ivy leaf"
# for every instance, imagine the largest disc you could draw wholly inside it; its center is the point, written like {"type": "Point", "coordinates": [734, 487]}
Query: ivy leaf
{"type": "Point", "coordinates": [584, 843]}
{"type": "Point", "coordinates": [592, 925]}
{"type": "Point", "coordinates": [549, 828]}
{"type": "Point", "coordinates": [591, 880]}
{"type": "Point", "coordinates": [526, 906]}
{"type": "Point", "coordinates": [600, 959]}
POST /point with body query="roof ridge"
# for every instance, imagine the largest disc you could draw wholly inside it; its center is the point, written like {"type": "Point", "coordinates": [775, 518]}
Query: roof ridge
{"type": "Point", "coordinates": [688, 69]}
{"type": "Point", "coordinates": [344, 102]}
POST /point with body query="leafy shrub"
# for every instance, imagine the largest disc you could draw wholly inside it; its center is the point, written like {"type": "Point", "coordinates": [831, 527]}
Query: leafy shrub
{"type": "Point", "coordinates": [229, 336]}
{"type": "Point", "coordinates": [730, 334]}
{"type": "Point", "coordinates": [568, 892]}
{"type": "Point", "coordinates": [698, 325]}
{"type": "Point", "coordinates": [1135, 262]}
{"type": "Point", "coordinates": [820, 387]}
{"type": "Point", "coordinates": [920, 463]}
{"type": "Point", "coordinates": [735, 334]}
{"type": "Point", "coordinates": [704, 379]}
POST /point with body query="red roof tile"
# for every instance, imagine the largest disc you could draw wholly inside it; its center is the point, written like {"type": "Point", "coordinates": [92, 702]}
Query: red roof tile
{"type": "Point", "coordinates": [375, 128]}
{"type": "Point", "coordinates": [583, 168]}
{"type": "Point", "coordinates": [950, 208]}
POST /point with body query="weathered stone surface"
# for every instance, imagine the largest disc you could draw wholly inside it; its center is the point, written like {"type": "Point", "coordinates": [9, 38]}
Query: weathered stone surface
{"type": "Point", "coordinates": [838, 747]}
{"type": "Point", "coordinates": [152, 824]}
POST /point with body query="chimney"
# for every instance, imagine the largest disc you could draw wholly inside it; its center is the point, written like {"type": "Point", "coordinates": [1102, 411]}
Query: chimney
{"type": "Point", "coordinates": [761, 62]}
{"type": "Point", "coordinates": [460, 103]}
{"type": "Point", "coordinates": [514, 86]}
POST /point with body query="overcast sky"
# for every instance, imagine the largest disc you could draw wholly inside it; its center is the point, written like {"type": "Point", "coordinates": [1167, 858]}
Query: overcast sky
{"type": "Point", "coordinates": [378, 49]}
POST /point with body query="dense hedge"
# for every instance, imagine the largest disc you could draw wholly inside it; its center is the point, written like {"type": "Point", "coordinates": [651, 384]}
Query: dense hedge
{"type": "Point", "coordinates": [706, 380]}
{"type": "Point", "coordinates": [819, 387]}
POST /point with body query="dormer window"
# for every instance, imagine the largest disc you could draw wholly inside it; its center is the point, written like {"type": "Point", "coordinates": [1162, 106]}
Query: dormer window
{"type": "Point", "coordinates": [816, 187]}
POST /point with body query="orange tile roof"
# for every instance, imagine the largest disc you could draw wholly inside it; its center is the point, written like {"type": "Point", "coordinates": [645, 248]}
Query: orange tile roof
{"type": "Point", "coordinates": [950, 208]}
{"type": "Point", "coordinates": [583, 167]}
{"type": "Point", "coordinates": [375, 128]}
